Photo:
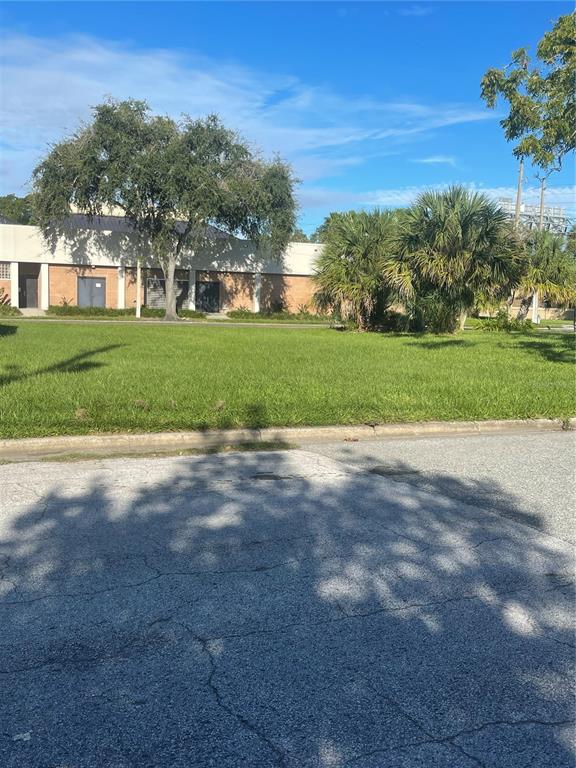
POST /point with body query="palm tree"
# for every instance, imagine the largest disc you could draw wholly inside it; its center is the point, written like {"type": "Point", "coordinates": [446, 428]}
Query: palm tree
{"type": "Point", "coordinates": [550, 272]}
{"type": "Point", "coordinates": [455, 247]}
{"type": "Point", "coordinates": [350, 276]}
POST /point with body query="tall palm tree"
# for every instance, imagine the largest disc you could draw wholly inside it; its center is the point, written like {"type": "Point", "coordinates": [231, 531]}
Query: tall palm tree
{"type": "Point", "coordinates": [455, 246]}
{"type": "Point", "coordinates": [349, 275]}
{"type": "Point", "coordinates": [550, 272]}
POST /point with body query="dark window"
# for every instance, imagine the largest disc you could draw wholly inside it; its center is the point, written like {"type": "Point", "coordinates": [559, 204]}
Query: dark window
{"type": "Point", "coordinates": [208, 296]}
{"type": "Point", "coordinates": [156, 292]}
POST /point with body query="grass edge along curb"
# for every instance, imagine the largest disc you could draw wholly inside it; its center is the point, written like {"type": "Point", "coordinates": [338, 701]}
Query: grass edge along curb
{"type": "Point", "coordinates": [283, 437]}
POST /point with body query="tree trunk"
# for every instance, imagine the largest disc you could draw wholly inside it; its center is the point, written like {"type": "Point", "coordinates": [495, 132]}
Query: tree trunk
{"type": "Point", "coordinates": [361, 320]}
{"type": "Point", "coordinates": [462, 319]}
{"type": "Point", "coordinates": [169, 269]}
{"type": "Point", "coordinates": [535, 307]}
{"type": "Point", "coordinates": [138, 289]}
{"type": "Point", "coordinates": [525, 305]}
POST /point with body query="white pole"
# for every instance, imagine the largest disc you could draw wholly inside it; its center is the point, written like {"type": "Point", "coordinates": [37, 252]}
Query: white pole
{"type": "Point", "coordinates": [535, 307]}
{"type": "Point", "coordinates": [542, 188]}
{"type": "Point", "coordinates": [257, 291]}
{"type": "Point", "coordinates": [138, 287]}
{"type": "Point", "coordinates": [14, 284]}
{"type": "Point", "coordinates": [44, 286]}
{"type": "Point", "coordinates": [519, 193]}
{"type": "Point", "coordinates": [192, 289]}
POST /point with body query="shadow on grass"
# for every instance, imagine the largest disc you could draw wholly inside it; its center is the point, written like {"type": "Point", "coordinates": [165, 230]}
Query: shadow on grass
{"type": "Point", "coordinates": [439, 343]}
{"type": "Point", "coordinates": [79, 363]}
{"type": "Point", "coordinates": [274, 610]}
{"type": "Point", "coordinates": [8, 330]}
{"type": "Point", "coordinates": [560, 350]}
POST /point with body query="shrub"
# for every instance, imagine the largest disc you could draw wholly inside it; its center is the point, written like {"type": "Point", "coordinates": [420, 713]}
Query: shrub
{"type": "Point", "coordinates": [191, 313]}
{"type": "Point", "coordinates": [396, 322]}
{"type": "Point", "coordinates": [240, 312]}
{"type": "Point", "coordinates": [8, 311]}
{"type": "Point", "coordinates": [6, 308]}
{"type": "Point", "coordinates": [245, 314]}
{"type": "Point", "coordinates": [503, 323]}
{"type": "Point", "coordinates": [70, 310]}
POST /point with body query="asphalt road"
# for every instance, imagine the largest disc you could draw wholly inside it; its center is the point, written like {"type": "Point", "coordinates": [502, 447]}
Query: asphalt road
{"type": "Point", "coordinates": [290, 609]}
{"type": "Point", "coordinates": [508, 474]}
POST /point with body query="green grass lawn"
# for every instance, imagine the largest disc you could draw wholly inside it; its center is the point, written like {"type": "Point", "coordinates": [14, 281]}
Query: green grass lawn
{"type": "Point", "coordinates": [58, 378]}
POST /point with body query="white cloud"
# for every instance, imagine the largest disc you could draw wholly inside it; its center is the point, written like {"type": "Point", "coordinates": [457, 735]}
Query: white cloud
{"type": "Point", "coordinates": [562, 196]}
{"type": "Point", "coordinates": [435, 160]}
{"type": "Point", "coordinates": [416, 10]}
{"type": "Point", "coordinates": [322, 198]}
{"type": "Point", "coordinates": [48, 85]}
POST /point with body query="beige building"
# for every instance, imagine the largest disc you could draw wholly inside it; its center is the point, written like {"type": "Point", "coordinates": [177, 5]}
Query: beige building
{"type": "Point", "coordinates": [95, 265]}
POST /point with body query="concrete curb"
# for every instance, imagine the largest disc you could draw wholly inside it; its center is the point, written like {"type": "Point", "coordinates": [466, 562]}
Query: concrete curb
{"type": "Point", "coordinates": [173, 442]}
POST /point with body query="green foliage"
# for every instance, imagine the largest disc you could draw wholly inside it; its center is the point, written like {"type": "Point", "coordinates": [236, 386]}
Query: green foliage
{"type": "Point", "coordinates": [66, 309]}
{"type": "Point", "coordinates": [176, 183]}
{"type": "Point", "coordinates": [454, 248]}
{"type": "Point", "coordinates": [503, 323]}
{"type": "Point", "coordinates": [321, 233]}
{"type": "Point", "coordinates": [448, 253]}
{"type": "Point", "coordinates": [550, 268]}
{"type": "Point", "coordinates": [350, 270]}
{"type": "Point", "coordinates": [240, 312]}
{"type": "Point", "coordinates": [70, 310]}
{"type": "Point", "coordinates": [17, 210]}
{"type": "Point", "coordinates": [394, 321]}
{"type": "Point", "coordinates": [542, 102]}
{"type": "Point", "coordinates": [303, 315]}
{"type": "Point", "coordinates": [299, 236]}
{"type": "Point", "coordinates": [6, 308]}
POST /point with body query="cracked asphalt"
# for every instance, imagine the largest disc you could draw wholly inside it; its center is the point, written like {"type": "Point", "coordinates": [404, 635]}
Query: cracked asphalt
{"type": "Point", "coordinates": [379, 605]}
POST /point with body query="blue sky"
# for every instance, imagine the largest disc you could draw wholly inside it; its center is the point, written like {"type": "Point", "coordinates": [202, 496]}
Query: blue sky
{"type": "Point", "coordinates": [371, 102]}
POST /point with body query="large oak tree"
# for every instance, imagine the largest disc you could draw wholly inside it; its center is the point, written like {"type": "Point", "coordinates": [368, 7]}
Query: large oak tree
{"type": "Point", "coordinates": [172, 181]}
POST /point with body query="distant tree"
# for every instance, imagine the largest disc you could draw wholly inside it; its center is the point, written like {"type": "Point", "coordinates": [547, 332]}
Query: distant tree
{"type": "Point", "coordinates": [320, 233]}
{"type": "Point", "coordinates": [350, 278]}
{"type": "Point", "coordinates": [550, 272]}
{"type": "Point", "coordinates": [17, 210]}
{"type": "Point", "coordinates": [455, 247]}
{"type": "Point", "coordinates": [542, 99]}
{"type": "Point", "coordinates": [299, 236]}
{"type": "Point", "coordinates": [171, 180]}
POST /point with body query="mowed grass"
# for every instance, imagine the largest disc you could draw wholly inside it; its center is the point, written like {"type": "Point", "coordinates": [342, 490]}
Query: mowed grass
{"type": "Point", "coordinates": [58, 378]}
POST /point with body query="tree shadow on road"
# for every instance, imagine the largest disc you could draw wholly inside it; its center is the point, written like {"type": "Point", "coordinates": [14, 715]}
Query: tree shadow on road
{"type": "Point", "coordinates": [276, 610]}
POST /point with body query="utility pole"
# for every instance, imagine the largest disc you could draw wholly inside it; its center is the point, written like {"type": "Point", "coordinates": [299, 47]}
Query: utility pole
{"type": "Point", "coordinates": [542, 188]}
{"type": "Point", "coordinates": [535, 298]}
{"type": "Point", "coordinates": [519, 194]}
{"type": "Point", "coordinates": [138, 287]}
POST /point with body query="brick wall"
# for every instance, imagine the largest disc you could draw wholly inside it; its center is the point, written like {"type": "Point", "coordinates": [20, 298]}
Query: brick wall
{"type": "Point", "coordinates": [5, 284]}
{"type": "Point", "coordinates": [64, 283]}
{"type": "Point", "coordinates": [288, 291]}
{"type": "Point", "coordinates": [236, 288]}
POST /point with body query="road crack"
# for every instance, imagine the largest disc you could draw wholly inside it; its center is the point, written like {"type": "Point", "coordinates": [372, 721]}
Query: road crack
{"type": "Point", "coordinates": [207, 649]}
